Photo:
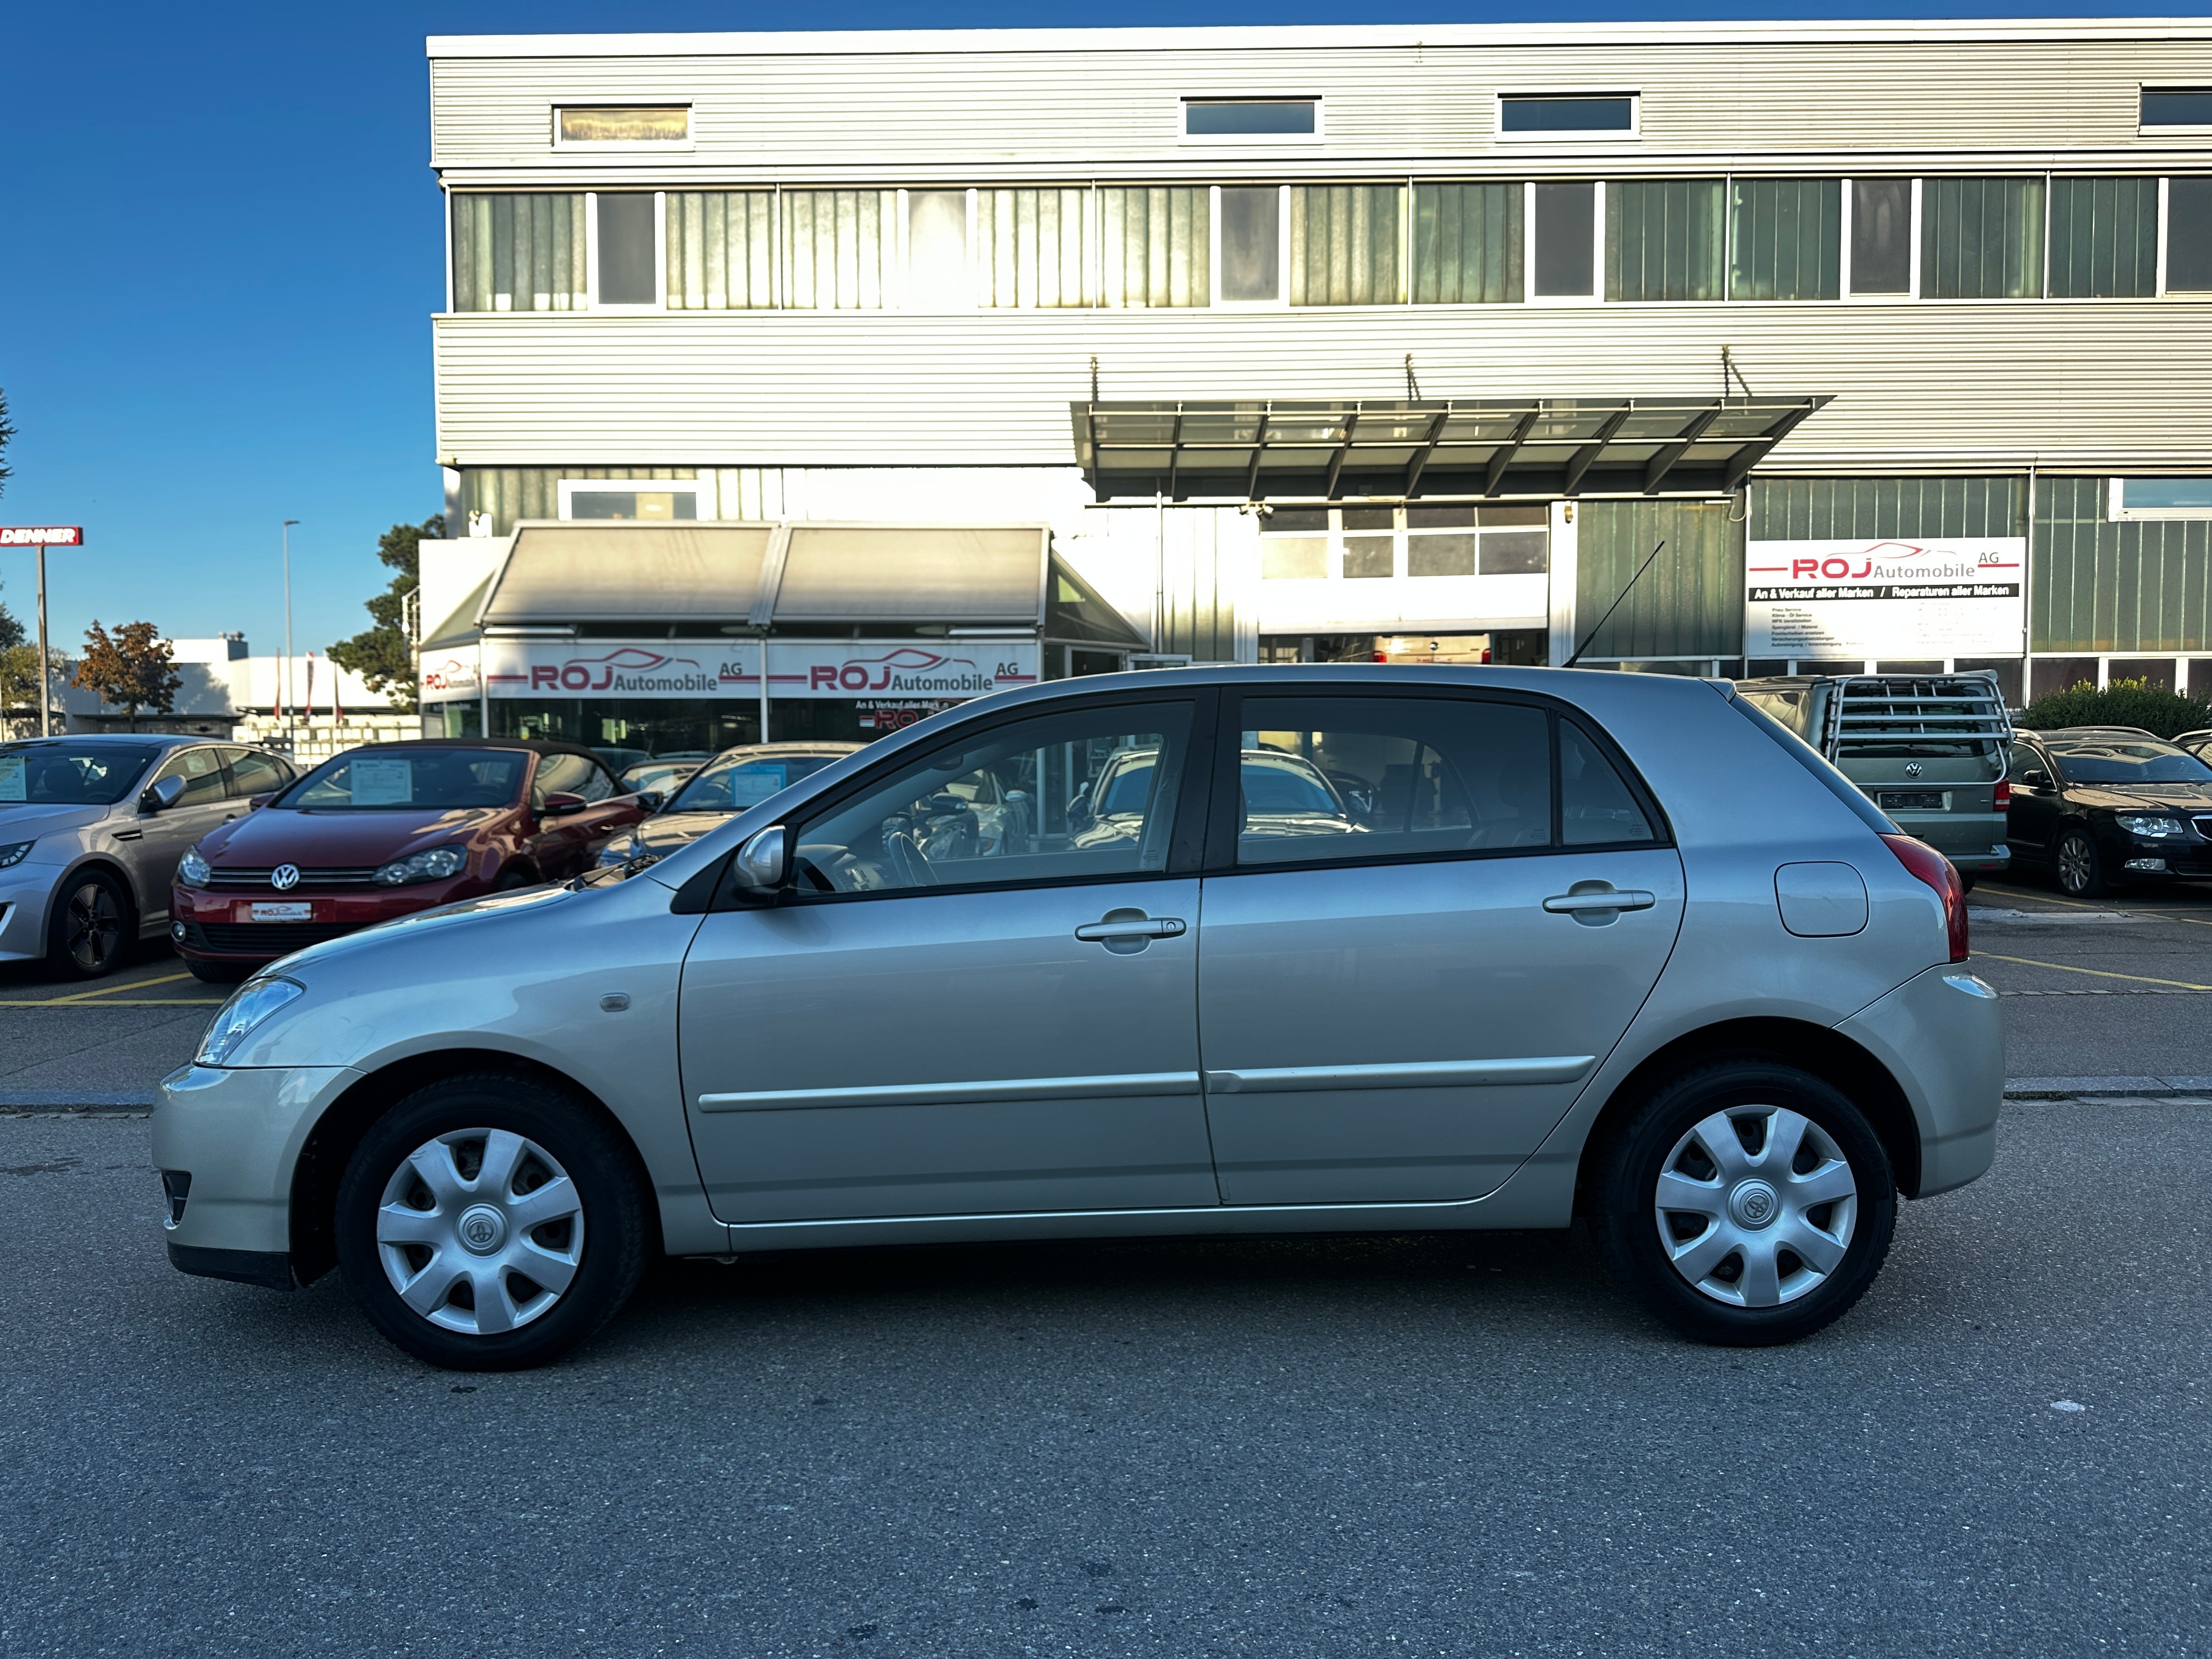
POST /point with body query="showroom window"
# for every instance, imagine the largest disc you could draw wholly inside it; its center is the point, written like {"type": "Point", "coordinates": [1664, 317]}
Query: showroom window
{"type": "Point", "coordinates": [634, 498]}
{"type": "Point", "coordinates": [1088, 793]}
{"type": "Point", "coordinates": [1422, 539]}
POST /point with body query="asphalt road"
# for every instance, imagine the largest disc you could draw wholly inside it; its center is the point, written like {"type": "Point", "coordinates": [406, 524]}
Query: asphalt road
{"type": "Point", "coordinates": [1419, 1446]}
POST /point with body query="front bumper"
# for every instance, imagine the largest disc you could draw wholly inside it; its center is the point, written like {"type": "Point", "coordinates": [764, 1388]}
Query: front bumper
{"type": "Point", "coordinates": [219, 926]}
{"type": "Point", "coordinates": [1942, 1036]}
{"type": "Point", "coordinates": [26, 890]}
{"type": "Point", "coordinates": [238, 1135]}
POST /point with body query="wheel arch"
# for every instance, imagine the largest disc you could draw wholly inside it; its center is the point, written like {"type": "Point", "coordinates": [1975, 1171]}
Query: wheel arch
{"type": "Point", "coordinates": [1817, 1048]}
{"type": "Point", "coordinates": [347, 1120]}
{"type": "Point", "coordinates": [100, 864]}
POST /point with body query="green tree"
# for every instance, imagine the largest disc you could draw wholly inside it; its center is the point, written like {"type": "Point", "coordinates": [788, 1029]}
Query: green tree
{"type": "Point", "coordinates": [19, 683]}
{"type": "Point", "coordinates": [382, 655]}
{"type": "Point", "coordinates": [131, 668]}
{"type": "Point", "coordinates": [11, 631]}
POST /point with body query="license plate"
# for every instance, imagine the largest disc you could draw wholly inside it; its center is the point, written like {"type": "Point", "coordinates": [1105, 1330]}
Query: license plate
{"type": "Point", "coordinates": [1913, 800]}
{"type": "Point", "coordinates": [282, 911]}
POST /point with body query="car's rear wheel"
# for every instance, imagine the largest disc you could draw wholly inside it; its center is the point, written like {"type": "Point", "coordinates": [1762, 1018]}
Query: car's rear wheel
{"type": "Point", "coordinates": [90, 931]}
{"type": "Point", "coordinates": [1745, 1203]}
{"type": "Point", "coordinates": [491, 1222]}
{"type": "Point", "coordinates": [2080, 872]}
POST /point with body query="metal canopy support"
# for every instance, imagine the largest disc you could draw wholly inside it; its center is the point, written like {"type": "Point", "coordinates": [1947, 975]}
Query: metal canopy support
{"type": "Point", "coordinates": [1319, 449]}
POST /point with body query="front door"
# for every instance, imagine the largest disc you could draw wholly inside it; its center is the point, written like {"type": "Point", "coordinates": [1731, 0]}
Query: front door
{"type": "Point", "coordinates": [944, 1015]}
{"type": "Point", "coordinates": [1427, 921]}
{"type": "Point", "coordinates": [2032, 820]}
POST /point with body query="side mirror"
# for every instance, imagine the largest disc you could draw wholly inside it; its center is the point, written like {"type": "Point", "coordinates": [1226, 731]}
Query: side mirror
{"type": "Point", "coordinates": [164, 793]}
{"type": "Point", "coordinates": [255, 802]}
{"type": "Point", "coordinates": [760, 862]}
{"type": "Point", "coordinates": [651, 799]}
{"type": "Point", "coordinates": [2035, 780]}
{"type": "Point", "coordinates": [560, 803]}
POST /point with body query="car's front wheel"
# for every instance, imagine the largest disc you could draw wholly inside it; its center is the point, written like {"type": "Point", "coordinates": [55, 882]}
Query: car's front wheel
{"type": "Point", "coordinates": [491, 1222]}
{"type": "Point", "coordinates": [91, 932]}
{"type": "Point", "coordinates": [2080, 870]}
{"type": "Point", "coordinates": [1745, 1203]}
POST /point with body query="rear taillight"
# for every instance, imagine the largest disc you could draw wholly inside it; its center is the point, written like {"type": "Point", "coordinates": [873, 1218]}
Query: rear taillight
{"type": "Point", "coordinates": [1932, 868]}
{"type": "Point", "coordinates": [2004, 794]}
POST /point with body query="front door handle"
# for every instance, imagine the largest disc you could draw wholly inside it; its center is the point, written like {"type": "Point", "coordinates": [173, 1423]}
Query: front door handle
{"type": "Point", "coordinates": [1583, 899]}
{"type": "Point", "coordinates": [1124, 932]}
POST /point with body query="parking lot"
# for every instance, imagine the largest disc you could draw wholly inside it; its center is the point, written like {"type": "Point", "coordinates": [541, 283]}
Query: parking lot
{"type": "Point", "coordinates": [1420, 1445]}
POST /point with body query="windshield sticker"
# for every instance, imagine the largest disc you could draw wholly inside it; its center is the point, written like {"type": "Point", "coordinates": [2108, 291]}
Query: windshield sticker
{"type": "Point", "coordinates": [11, 778]}
{"type": "Point", "coordinates": [752, 785]}
{"type": "Point", "coordinates": [383, 780]}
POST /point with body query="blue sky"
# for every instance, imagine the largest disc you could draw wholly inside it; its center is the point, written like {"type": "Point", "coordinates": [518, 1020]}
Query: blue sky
{"type": "Point", "coordinates": [219, 250]}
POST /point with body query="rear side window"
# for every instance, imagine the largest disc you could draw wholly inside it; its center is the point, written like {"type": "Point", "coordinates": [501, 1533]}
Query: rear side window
{"type": "Point", "coordinates": [252, 774]}
{"type": "Point", "coordinates": [1833, 781]}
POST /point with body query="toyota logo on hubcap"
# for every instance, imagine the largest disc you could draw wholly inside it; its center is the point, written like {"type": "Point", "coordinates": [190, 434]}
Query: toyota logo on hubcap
{"type": "Point", "coordinates": [482, 1229]}
{"type": "Point", "coordinates": [1755, 1204]}
{"type": "Point", "coordinates": [284, 878]}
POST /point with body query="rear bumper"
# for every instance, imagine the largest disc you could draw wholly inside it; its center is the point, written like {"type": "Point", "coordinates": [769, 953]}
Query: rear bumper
{"type": "Point", "coordinates": [1942, 1036]}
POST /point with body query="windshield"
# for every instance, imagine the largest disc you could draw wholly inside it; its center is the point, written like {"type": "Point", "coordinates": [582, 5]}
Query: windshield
{"type": "Point", "coordinates": [66, 775]}
{"type": "Point", "coordinates": [365, 780]}
{"type": "Point", "coordinates": [1286, 787]}
{"type": "Point", "coordinates": [2127, 761]}
{"type": "Point", "coordinates": [734, 784]}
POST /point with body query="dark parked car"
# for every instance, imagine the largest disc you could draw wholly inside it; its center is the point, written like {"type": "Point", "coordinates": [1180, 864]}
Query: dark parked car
{"type": "Point", "coordinates": [387, 830]}
{"type": "Point", "coordinates": [2096, 806]}
{"type": "Point", "coordinates": [2196, 742]}
{"type": "Point", "coordinates": [710, 795]}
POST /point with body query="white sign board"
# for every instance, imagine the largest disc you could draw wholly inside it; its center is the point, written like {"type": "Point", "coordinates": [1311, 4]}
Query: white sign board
{"type": "Point", "coordinates": [11, 777]}
{"type": "Point", "coordinates": [1886, 599]}
{"type": "Point", "coordinates": [845, 669]}
{"type": "Point", "coordinates": [382, 780]}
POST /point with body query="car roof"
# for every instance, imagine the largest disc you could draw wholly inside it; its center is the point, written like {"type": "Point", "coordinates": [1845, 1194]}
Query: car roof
{"type": "Point", "coordinates": [172, 739]}
{"type": "Point", "coordinates": [2092, 732]}
{"type": "Point", "coordinates": [534, 745]}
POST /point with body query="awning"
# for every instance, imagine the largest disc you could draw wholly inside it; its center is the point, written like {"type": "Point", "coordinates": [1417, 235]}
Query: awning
{"type": "Point", "coordinates": [561, 573]}
{"type": "Point", "coordinates": [1288, 449]}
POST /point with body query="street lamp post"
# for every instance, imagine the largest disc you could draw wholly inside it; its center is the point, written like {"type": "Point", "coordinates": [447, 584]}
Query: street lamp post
{"type": "Point", "coordinates": [284, 680]}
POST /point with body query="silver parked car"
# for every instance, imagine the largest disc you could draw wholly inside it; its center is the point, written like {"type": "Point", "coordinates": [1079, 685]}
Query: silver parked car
{"type": "Point", "coordinates": [707, 796]}
{"type": "Point", "coordinates": [91, 829]}
{"type": "Point", "coordinates": [1603, 945]}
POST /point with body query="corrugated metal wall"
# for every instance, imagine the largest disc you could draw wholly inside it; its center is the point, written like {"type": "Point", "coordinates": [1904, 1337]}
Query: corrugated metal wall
{"type": "Point", "coordinates": [2138, 586]}
{"type": "Point", "coordinates": [1107, 107]}
{"type": "Point", "coordinates": [1689, 603]}
{"type": "Point", "coordinates": [1974, 386]}
{"type": "Point", "coordinates": [508, 493]}
{"type": "Point", "coordinates": [1845, 509]}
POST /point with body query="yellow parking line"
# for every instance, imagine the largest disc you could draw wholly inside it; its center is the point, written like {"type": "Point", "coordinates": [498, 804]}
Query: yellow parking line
{"type": "Point", "coordinates": [134, 985]}
{"type": "Point", "coordinates": [2100, 973]}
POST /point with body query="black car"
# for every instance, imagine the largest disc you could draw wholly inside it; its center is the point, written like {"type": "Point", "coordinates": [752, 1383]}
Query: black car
{"type": "Point", "coordinates": [2097, 806]}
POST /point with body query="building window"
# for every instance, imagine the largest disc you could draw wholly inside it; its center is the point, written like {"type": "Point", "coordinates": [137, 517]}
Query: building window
{"type": "Point", "coordinates": [2189, 235]}
{"type": "Point", "coordinates": [1251, 118]}
{"type": "Point", "coordinates": [2177, 107]}
{"type": "Point", "coordinates": [1251, 244]}
{"type": "Point", "coordinates": [1155, 245]}
{"type": "Point", "coordinates": [1345, 241]}
{"type": "Point", "coordinates": [628, 273]}
{"type": "Point", "coordinates": [634, 123]}
{"type": "Point", "coordinates": [720, 250]}
{"type": "Point", "coordinates": [1565, 240]}
{"type": "Point", "coordinates": [1663, 238]}
{"type": "Point", "coordinates": [1785, 237]}
{"type": "Point", "coordinates": [1981, 239]}
{"type": "Point", "coordinates": [841, 249]}
{"type": "Point", "coordinates": [1423, 539]}
{"type": "Point", "coordinates": [1543, 114]}
{"type": "Point", "coordinates": [937, 249]}
{"type": "Point", "coordinates": [518, 253]}
{"type": "Point", "coordinates": [2104, 239]}
{"type": "Point", "coordinates": [633, 498]}
{"type": "Point", "coordinates": [1881, 235]}
{"type": "Point", "coordinates": [1033, 247]}
{"type": "Point", "coordinates": [1370, 544]}
{"type": "Point", "coordinates": [2162, 498]}
{"type": "Point", "coordinates": [1294, 546]}
{"type": "Point", "coordinates": [1467, 247]}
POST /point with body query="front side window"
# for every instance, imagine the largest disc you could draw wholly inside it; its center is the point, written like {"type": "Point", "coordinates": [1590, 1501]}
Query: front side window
{"type": "Point", "coordinates": [1087, 793]}
{"type": "Point", "coordinates": [63, 774]}
{"type": "Point", "coordinates": [1333, 778]}
{"type": "Point", "coordinates": [370, 779]}
{"type": "Point", "coordinates": [202, 771]}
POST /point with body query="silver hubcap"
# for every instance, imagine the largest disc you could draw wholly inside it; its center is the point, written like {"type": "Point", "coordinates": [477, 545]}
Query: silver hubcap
{"type": "Point", "coordinates": [480, 1230]}
{"type": "Point", "coordinates": [1756, 1205]}
{"type": "Point", "coordinates": [2074, 861]}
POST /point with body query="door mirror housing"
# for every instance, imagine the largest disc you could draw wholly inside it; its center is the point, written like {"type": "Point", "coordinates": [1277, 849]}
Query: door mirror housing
{"type": "Point", "coordinates": [255, 802]}
{"type": "Point", "coordinates": [162, 795]}
{"type": "Point", "coordinates": [2035, 779]}
{"type": "Point", "coordinates": [650, 800]}
{"type": "Point", "coordinates": [560, 803]}
{"type": "Point", "coordinates": [761, 862]}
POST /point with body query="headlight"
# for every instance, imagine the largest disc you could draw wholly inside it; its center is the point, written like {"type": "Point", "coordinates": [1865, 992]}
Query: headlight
{"type": "Point", "coordinates": [253, 1002]}
{"type": "Point", "coordinates": [193, 869]}
{"type": "Point", "coordinates": [2154, 829]}
{"type": "Point", "coordinates": [15, 853]}
{"type": "Point", "coordinates": [434, 865]}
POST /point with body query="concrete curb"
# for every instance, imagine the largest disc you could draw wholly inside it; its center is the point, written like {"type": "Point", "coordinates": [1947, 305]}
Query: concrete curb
{"type": "Point", "coordinates": [2065, 1088]}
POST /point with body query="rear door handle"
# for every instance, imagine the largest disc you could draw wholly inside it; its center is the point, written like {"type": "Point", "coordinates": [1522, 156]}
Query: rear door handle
{"type": "Point", "coordinates": [1100, 933]}
{"type": "Point", "coordinates": [1610, 899]}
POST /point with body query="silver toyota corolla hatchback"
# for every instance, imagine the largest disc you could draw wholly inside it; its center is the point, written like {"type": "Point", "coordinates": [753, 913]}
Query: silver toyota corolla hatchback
{"type": "Point", "coordinates": [1272, 949]}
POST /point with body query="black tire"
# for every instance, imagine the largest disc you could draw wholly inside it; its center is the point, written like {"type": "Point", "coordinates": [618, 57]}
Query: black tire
{"type": "Point", "coordinates": [2078, 867]}
{"type": "Point", "coordinates": [218, 973]}
{"type": "Point", "coordinates": [615, 1219]}
{"type": "Point", "coordinates": [1625, 1189]}
{"type": "Point", "coordinates": [1966, 880]}
{"type": "Point", "coordinates": [92, 927]}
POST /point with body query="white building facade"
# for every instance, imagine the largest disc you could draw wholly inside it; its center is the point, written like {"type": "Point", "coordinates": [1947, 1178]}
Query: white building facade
{"type": "Point", "coordinates": [1309, 343]}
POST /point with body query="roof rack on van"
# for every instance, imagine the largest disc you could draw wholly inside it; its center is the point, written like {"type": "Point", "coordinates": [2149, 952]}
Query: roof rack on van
{"type": "Point", "coordinates": [1880, 709]}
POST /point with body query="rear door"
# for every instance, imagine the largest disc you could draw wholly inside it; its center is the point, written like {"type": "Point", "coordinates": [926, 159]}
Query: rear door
{"type": "Point", "coordinates": [1396, 1004]}
{"type": "Point", "coordinates": [164, 837]}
